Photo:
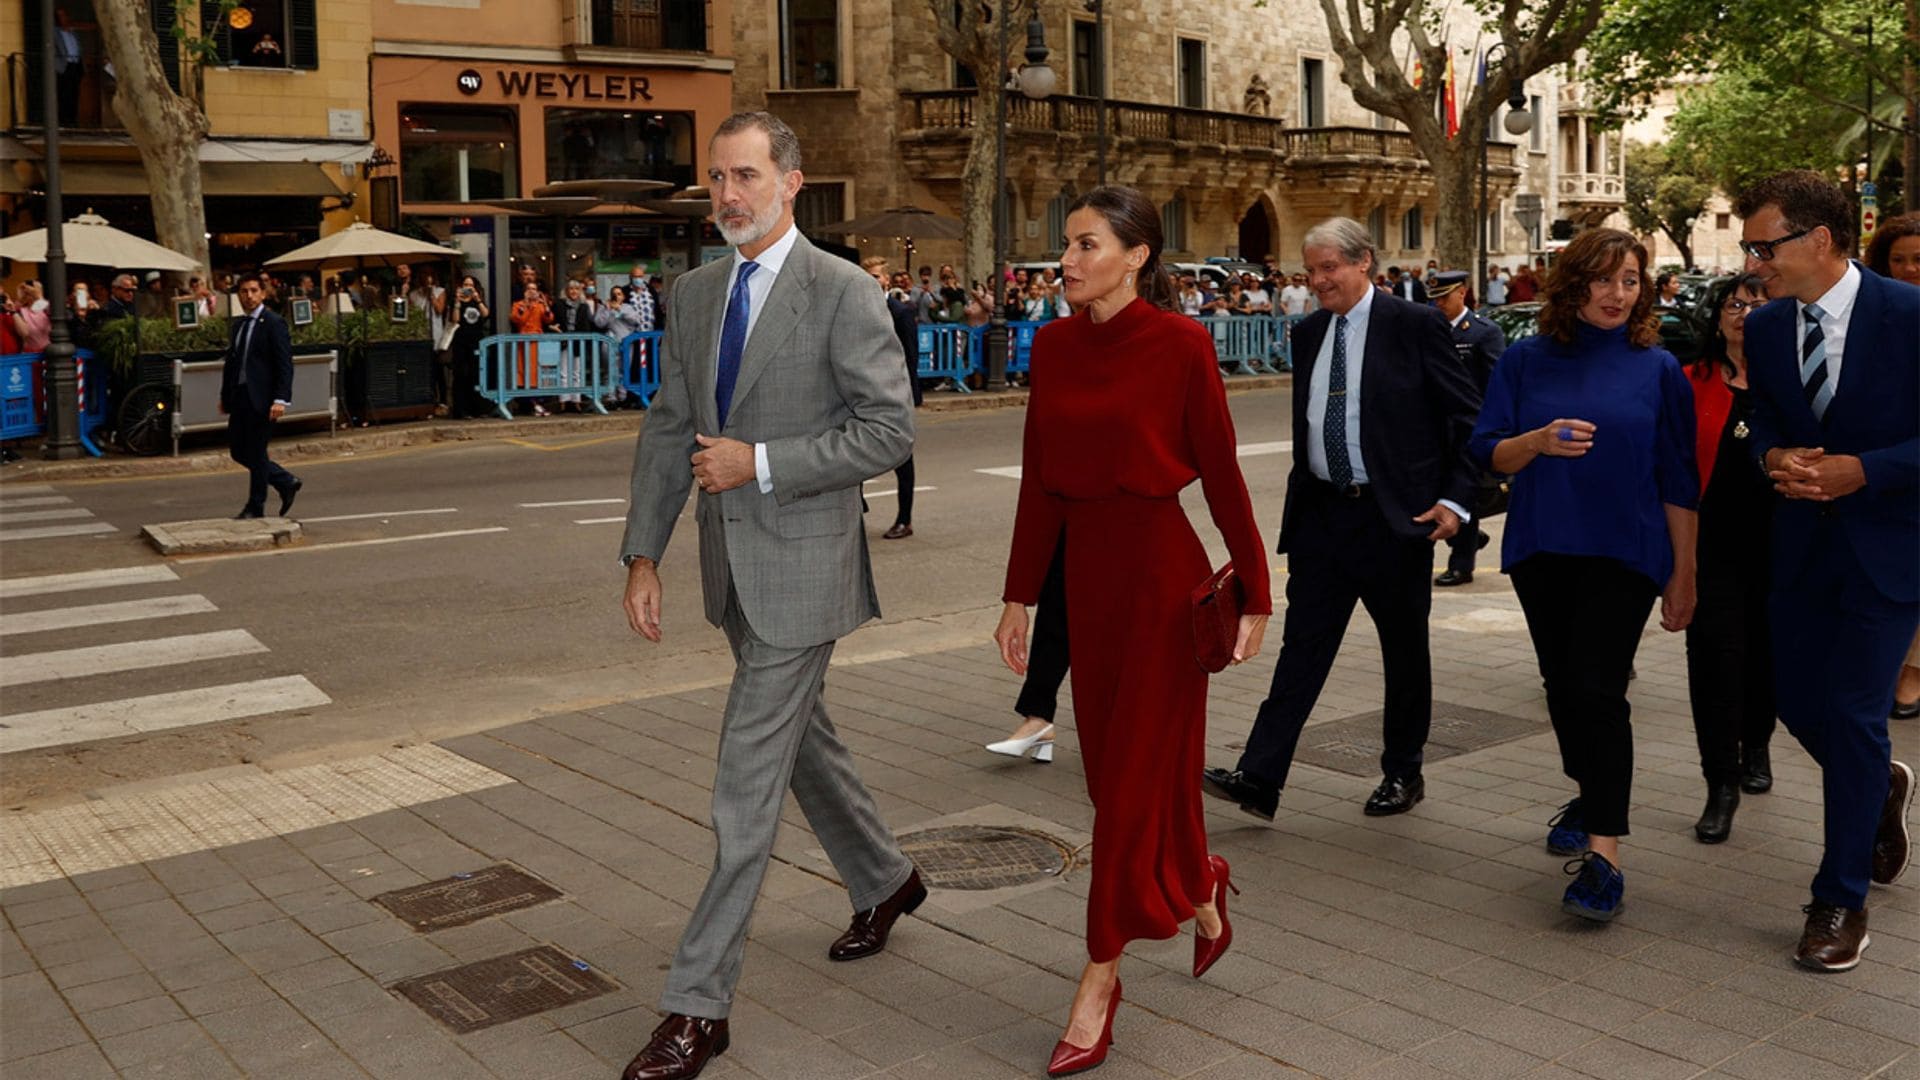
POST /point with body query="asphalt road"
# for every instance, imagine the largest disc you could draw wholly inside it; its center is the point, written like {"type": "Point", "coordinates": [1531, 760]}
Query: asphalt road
{"type": "Point", "coordinates": [457, 587]}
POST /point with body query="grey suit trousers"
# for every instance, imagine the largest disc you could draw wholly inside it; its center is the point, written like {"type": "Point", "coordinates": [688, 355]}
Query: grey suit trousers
{"type": "Point", "coordinates": [775, 736]}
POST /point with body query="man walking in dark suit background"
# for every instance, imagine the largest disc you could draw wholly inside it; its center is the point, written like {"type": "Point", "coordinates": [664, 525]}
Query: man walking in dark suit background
{"type": "Point", "coordinates": [1406, 286]}
{"type": "Point", "coordinates": [1836, 389]}
{"type": "Point", "coordinates": [255, 387]}
{"type": "Point", "coordinates": [1479, 343]}
{"type": "Point", "coordinates": [1380, 471]}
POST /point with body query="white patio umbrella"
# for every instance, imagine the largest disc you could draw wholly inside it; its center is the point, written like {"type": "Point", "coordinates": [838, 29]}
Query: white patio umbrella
{"type": "Point", "coordinates": [360, 245]}
{"type": "Point", "coordinates": [90, 241]}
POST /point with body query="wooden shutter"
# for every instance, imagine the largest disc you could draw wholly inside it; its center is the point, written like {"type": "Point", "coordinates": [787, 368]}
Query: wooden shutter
{"type": "Point", "coordinates": [222, 36]}
{"type": "Point", "coordinates": [303, 27]}
{"type": "Point", "coordinates": [36, 30]}
{"type": "Point", "coordinates": [163, 15]}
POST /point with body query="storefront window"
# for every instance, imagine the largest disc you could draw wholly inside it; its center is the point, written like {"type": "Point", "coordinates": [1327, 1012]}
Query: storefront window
{"type": "Point", "coordinates": [607, 144]}
{"type": "Point", "coordinates": [457, 155]}
{"type": "Point", "coordinates": [810, 44]}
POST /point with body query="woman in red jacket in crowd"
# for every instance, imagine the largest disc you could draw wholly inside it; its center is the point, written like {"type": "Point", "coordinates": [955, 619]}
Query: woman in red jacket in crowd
{"type": "Point", "coordinates": [1128, 408]}
{"type": "Point", "coordinates": [1729, 656]}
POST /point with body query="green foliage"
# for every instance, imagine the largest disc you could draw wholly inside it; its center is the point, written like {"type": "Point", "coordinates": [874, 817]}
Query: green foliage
{"type": "Point", "coordinates": [1743, 126]}
{"type": "Point", "coordinates": [202, 48]}
{"type": "Point", "coordinates": [1667, 190]}
{"type": "Point", "coordinates": [119, 341]}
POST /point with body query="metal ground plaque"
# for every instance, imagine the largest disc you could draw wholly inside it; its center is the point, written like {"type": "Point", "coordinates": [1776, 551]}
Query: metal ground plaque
{"type": "Point", "coordinates": [978, 857]}
{"type": "Point", "coordinates": [1352, 745]}
{"type": "Point", "coordinates": [494, 991]}
{"type": "Point", "coordinates": [466, 898]}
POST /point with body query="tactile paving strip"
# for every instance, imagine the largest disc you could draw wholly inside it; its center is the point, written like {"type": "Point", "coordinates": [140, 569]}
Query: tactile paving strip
{"type": "Point", "coordinates": [978, 857]}
{"type": "Point", "coordinates": [502, 988]}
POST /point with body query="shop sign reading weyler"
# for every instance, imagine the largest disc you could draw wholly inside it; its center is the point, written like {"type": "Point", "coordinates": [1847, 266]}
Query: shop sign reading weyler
{"type": "Point", "coordinates": [570, 85]}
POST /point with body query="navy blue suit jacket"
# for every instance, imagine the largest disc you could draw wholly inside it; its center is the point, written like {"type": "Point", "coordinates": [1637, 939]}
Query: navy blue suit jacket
{"type": "Point", "coordinates": [1875, 414]}
{"type": "Point", "coordinates": [268, 364]}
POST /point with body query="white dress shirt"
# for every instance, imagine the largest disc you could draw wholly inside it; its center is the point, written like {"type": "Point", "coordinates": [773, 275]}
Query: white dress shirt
{"type": "Point", "coordinates": [1836, 308]}
{"type": "Point", "coordinates": [759, 287]}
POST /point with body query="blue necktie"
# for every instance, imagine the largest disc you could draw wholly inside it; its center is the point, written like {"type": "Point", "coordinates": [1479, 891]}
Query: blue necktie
{"type": "Point", "coordinates": [1813, 363]}
{"type": "Point", "coordinates": [733, 339]}
{"type": "Point", "coordinates": [1333, 430]}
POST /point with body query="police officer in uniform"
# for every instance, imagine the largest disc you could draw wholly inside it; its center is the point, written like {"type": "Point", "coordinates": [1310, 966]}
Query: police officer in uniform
{"type": "Point", "coordinates": [1480, 344]}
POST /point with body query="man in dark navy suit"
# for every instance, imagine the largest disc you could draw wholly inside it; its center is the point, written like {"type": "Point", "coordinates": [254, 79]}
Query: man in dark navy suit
{"type": "Point", "coordinates": [1382, 409]}
{"type": "Point", "coordinates": [255, 388]}
{"type": "Point", "coordinates": [1479, 343]}
{"type": "Point", "coordinates": [1834, 363]}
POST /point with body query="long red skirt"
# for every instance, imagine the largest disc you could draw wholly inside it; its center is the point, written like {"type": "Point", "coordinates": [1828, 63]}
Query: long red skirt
{"type": "Point", "coordinates": [1140, 703]}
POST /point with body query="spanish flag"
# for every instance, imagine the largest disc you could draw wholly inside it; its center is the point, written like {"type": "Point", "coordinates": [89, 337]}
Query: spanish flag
{"type": "Point", "coordinates": [1452, 117]}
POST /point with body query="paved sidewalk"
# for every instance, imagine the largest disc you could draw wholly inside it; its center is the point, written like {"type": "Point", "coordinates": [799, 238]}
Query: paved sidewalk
{"type": "Point", "coordinates": [221, 925]}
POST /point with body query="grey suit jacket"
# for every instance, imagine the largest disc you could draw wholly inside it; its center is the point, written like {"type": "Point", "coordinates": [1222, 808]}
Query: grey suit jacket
{"type": "Point", "coordinates": [823, 384]}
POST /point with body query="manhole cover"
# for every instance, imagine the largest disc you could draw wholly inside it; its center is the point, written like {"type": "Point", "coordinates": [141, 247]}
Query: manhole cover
{"type": "Point", "coordinates": [494, 991]}
{"type": "Point", "coordinates": [979, 857]}
{"type": "Point", "coordinates": [1352, 745]}
{"type": "Point", "coordinates": [465, 898]}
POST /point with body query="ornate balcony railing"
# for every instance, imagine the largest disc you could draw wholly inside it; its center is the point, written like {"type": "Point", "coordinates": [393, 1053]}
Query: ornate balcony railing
{"type": "Point", "coordinates": [1593, 187]}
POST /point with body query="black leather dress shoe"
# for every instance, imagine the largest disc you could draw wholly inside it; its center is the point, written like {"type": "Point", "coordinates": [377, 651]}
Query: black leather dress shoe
{"type": "Point", "coordinates": [681, 1046]}
{"type": "Point", "coordinates": [1905, 710]}
{"type": "Point", "coordinates": [1451, 578]}
{"type": "Point", "coordinates": [868, 933]}
{"type": "Point", "coordinates": [1256, 797]}
{"type": "Point", "coordinates": [1756, 771]}
{"type": "Point", "coordinates": [1716, 821]}
{"type": "Point", "coordinates": [1396, 795]}
{"type": "Point", "coordinates": [286, 495]}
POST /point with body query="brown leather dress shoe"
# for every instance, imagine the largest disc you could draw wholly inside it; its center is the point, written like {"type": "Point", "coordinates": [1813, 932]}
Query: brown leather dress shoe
{"type": "Point", "coordinates": [1834, 938]}
{"type": "Point", "coordinates": [1892, 847]}
{"type": "Point", "coordinates": [900, 531]}
{"type": "Point", "coordinates": [868, 934]}
{"type": "Point", "coordinates": [681, 1046]}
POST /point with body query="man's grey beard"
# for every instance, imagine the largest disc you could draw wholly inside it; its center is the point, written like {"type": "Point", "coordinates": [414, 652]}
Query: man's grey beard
{"type": "Point", "coordinates": [752, 232]}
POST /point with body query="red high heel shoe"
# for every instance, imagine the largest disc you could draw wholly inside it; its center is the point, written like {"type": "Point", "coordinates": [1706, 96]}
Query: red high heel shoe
{"type": "Point", "coordinates": [1206, 950]}
{"type": "Point", "coordinates": [1069, 1059]}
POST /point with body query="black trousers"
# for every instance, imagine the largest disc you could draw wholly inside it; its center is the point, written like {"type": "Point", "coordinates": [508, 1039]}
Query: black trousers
{"type": "Point", "coordinates": [467, 401]}
{"type": "Point", "coordinates": [247, 435]}
{"type": "Point", "coordinates": [1047, 655]}
{"type": "Point", "coordinates": [1730, 667]}
{"type": "Point", "coordinates": [903, 479]}
{"type": "Point", "coordinates": [1463, 546]}
{"type": "Point", "coordinates": [1344, 554]}
{"type": "Point", "coordinates": [1585, 615]}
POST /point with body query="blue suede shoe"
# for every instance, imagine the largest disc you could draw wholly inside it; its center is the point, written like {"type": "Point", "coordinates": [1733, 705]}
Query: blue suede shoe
{"type": "Point", "coordinates": [1597, 891]}
{"type": "Point", "coordinates": [1567, 832]}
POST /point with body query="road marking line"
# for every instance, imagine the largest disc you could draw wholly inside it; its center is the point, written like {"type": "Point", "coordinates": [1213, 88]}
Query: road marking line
{"type": "Point", "coordinates": [894, 491]}
{"type": "Point", "coordinates": [570, 502]}
{"type": "Point", "coordinates": [599, 521]}
{"type": "Point", "coordinates": [47, 532]}
{"type": "Point", "coordinates": [343, 544]}
{"type": "Point", "coordinates": [568, 446]}
{"type": "Point", "coordinates": [127, 656]}
{"type": "Point", "coordinates": [1258, 449]}
{"type": "Point", "coordinates": [26, 489]}
{"type": "Point", "coordinates": [385, 514]}
{"type": "Point", "coordinates": [1011, 472]}
{"type": "Point", "coordinates": [9, 516]}
{"type": "Point", "coordinates": [158, 712]}
{"type": "Point", "coordinates": [233, 807]}
{"type": "Point", "coordinates": [159, 607]}
{"type": "Point", "coordinates": [85, 579]}
{"type": "Point", "coordinates": [34, 500]}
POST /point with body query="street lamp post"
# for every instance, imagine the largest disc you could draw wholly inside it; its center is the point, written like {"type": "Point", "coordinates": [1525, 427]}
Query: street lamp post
{"type": "Point", "coordinates": [1099, 66]}
{"type": "Point", "coordinates": [1035, 80]}
{"type": "Point", "coordinates": [63, 388]}
{"type": "Point", "coordinates": [1518, 122]}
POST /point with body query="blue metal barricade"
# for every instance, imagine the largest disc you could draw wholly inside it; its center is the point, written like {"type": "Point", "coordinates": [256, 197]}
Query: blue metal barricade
{"type": "Point", "coordinates": [949, 352]}
{"type": "Point", "coordinates": [1281, 353]}
{"type": "Point", "coordinates": [639, 358]}
{"type": "Point", "coordinates": [545, 365]}
{"type": "Point", "coordinates": [1021, 336]}
{"type": "Point", "coordinates": [22, 387]}
{"type": "Point", "coordinates": [1243, 342]}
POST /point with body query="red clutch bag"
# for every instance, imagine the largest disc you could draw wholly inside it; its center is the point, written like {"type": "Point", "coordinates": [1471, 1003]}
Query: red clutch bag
{"type": "Point", "coordinates": [1217, 604]}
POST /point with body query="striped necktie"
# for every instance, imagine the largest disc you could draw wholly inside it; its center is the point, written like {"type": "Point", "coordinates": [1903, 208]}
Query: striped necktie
{"type": "Point", "coordinates": [1814, 377]}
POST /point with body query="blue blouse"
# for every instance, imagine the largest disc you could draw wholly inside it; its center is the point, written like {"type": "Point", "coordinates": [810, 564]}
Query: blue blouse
{"type": "Point", "coordinates": [1610, 502]}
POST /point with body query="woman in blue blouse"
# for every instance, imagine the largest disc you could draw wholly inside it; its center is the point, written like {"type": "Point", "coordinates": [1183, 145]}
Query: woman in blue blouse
{"type": "Point", "coordinates": [1595, 423]}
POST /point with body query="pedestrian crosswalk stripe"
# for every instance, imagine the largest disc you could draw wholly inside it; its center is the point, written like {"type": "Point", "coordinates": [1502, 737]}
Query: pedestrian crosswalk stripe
{"type": "Point", "coordinates": [85, 579]}
{"type": "Point", "coordinates": [158, 712]}
{"type": "Point", "coordinates": [11, 490]}
{"type": "Point", "coordinates": [125, 656]}
{"type": "Point", "coordinates": [10, 516]}
{"type": "Point", "coordinates": [159, 607]}
{"type": "Point", "coordinates": [48, 532]}
{"type": "Point", "coordinates": [599, 521]}
{"type": "Point", "coordinates": [34, 500]}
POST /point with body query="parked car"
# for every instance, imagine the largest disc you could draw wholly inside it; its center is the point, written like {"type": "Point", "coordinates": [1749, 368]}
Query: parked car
{"type": "Point", "coordinates": [1683, 329]}
{"type": "Point", "coordinates": [1213, 276]}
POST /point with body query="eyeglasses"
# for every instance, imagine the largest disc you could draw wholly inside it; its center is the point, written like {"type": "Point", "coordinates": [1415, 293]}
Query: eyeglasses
{"type": "Point", "coordinates": [1764, 249]}
{"type": "Point", "coordinates": [1741, 307]}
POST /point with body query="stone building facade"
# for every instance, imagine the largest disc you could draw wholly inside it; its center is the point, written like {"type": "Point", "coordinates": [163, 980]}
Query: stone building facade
{"type": "Point", "coordinates": [1240, 129]}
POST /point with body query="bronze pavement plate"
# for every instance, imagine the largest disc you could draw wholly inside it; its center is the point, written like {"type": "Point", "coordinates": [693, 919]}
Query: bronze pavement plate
{"type": "Point", "coordinates": [466, 898]}
{"type": "Point", "coordinates": [1352, 745]}
{"type": "Point", "coordinates": [502, 988]}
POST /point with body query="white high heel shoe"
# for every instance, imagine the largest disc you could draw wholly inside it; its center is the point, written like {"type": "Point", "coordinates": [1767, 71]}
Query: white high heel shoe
{"type": "Point", "coordinates": [1040, 743]}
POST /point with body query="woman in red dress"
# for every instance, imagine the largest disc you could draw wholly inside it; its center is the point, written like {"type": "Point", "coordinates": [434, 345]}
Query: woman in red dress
{"type": "Point", "coordinates": [1127, 409]}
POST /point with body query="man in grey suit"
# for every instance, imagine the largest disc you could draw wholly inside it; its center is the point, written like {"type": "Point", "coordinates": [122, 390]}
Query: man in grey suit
{"type": "Point", "coordinates": [779, 420]}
